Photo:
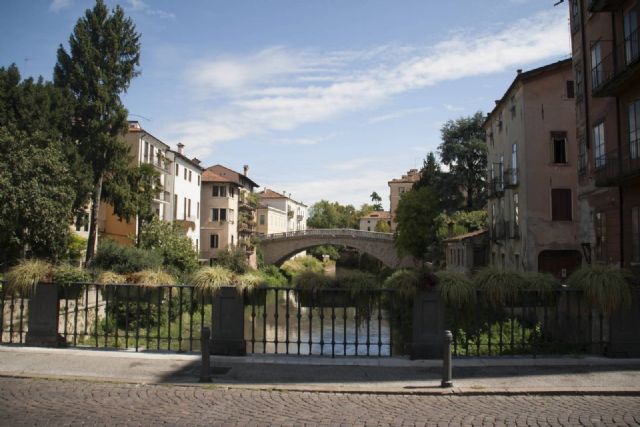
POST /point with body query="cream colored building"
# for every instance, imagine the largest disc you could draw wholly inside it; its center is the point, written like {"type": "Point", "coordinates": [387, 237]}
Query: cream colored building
{"type": "Point", "coordinates": [273, 206]}
{"type": "Point", "coordinates": [227, 212]}
{"type": "Point", "coordinates": [532, 158]}
{"type": "Point", "coordinates": [397, 187]}
{"type": "Point", "coordinates": [370, 221]}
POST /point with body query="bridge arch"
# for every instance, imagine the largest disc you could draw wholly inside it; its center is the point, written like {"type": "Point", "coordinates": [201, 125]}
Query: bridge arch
{"type": "Point", "coordinates": [277, 248]}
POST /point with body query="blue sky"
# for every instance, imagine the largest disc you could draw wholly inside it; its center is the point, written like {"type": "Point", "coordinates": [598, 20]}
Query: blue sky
{"type": "Point", "coordinates": [324, 99]}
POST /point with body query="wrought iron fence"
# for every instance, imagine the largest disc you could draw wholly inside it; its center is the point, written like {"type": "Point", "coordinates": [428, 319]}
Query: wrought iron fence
{"type": "Point", "coordinates": [532, 323]}
{"type": "Point", "coordinates": [13, 316]}
{"type": "Point", "coordinates": [333, 322]}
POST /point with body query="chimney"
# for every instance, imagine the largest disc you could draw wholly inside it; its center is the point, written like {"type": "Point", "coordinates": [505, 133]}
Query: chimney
{"type": "Point", "coordinates": [196, 161]}
{"type": "Point", "coordinates": [519, 71]}
{"type": "Point", "coordinates": [246, 169]}
{"type": "Point", "coordinates": [180, 147]}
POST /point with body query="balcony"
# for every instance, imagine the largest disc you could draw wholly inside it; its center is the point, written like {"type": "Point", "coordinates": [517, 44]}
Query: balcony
{"type": "Point", "coordinates": [511, 178]}
{"type": "Point", "coordinates": [612, 170]}
{"type": "Point", "coordinates": [603, 5]}
{"type": "Point", "coordinates": [496, 188]}
{"type": "Point", "coordinates": [619, 67]}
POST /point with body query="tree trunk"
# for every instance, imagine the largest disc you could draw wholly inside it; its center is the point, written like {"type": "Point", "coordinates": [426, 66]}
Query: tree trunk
{"type": "Point", "coordinates": [93, 221]}
{"type": "Point", "coordinates": [469, 199]}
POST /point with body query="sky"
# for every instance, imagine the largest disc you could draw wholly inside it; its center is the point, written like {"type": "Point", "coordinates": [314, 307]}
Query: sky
{"type": "Point", "coordinates": [323, 99]}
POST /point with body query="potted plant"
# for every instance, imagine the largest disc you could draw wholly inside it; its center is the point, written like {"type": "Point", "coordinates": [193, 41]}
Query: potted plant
{"type": "Point", "coordinates": [209, 280]}
{"type": "Point", "coordinates": [23, 277]}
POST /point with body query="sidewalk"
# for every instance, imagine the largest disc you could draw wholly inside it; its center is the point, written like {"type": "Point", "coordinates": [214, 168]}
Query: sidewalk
{"type": "Point", "coordinates": [514, 375]}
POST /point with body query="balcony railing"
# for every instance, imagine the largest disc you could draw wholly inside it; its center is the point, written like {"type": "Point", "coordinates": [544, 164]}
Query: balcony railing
{"type": "Point", "coordinates": [618, 67]}
{"type": "Point", "coordinates": [611, 168]}
{"type": "Point", "coordinates": [511, 178]}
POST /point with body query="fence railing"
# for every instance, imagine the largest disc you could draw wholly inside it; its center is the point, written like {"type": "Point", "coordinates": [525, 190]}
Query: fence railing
{"type": "Point", "coordinates": [532, 323]}
{"type": "Point", "coordinates": [323, 322]}
{"type": "Point", "coordinates": [338, 232]}
{"type": "Point", "coordinates": [13, 317]}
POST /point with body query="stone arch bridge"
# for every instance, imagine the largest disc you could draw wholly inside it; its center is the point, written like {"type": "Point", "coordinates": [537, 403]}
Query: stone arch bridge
{"type": "Point", "coordinates": [279, 247]}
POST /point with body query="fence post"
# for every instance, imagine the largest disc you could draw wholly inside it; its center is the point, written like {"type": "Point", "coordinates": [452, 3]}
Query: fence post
{"type": "Point", "coordinates": [428, 324]}
{"type": "Point", "coordinates": [228, 323]}
{"type": "Point", "coordinates": [446, 360]}
{"type": "Point", "coordinates": [205, 374]}
{"type": "Point", "coordinates": [43, 316]}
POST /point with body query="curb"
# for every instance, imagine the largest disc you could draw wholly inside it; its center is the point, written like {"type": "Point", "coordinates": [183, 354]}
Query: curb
{"type": "Point", "coordinates": [418, 391]}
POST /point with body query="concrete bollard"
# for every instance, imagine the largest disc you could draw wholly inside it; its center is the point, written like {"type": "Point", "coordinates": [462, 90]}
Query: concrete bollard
{"type": "Point", "coordinates": [446, 360]}
{"type": "Point", "coordinates": [205, 374]}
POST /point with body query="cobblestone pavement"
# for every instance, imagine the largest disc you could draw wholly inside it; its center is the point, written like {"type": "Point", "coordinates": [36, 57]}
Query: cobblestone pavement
{"type": "Point", "coordinates": [58, 402]}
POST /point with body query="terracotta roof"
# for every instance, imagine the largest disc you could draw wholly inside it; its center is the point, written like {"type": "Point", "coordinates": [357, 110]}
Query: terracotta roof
{"type": "Point", "coordinates": [232, 175]}
{"type": "Point", "coordinates": [209, 176]}
{"type": "Point", "coordinates": [378, 215]}
{"type": "Point", "coordinates": [270, 194]}
{"type": "Point", "coordinates": [466, 236]}
{"type": "Point", "coordinates": [413, 175]}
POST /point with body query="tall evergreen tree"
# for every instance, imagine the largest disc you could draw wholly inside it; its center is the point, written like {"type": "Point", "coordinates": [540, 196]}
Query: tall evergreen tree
{"type": "Point", "coordinates": [104, 54]}
{"type": "Point", "coordinates": [464, 151]}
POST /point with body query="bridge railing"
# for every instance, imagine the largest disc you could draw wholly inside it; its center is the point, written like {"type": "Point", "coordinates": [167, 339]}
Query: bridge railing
{"type": "Point", "coordinates": [333, 232]}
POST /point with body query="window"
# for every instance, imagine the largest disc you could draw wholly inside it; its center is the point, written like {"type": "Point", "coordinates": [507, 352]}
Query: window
{"type": "Point", "coordinates": [575, 15]}
{"type": "Point", "coordinates": [184, 212]}
{"type": "Point", "coordinates": [579, 81]}
{"type": "Point", "coordinates": [634, 129]}
{"type": "Point", "coordinates": [400, 190]}
{"type": "Point", "coordinates": [213, 241]}
{"type": "Point", "coordinates": [597, 76]}
{"type": "Point", "coordinates": [559, 142]}
{"type": "Point", "coordinates": [198, 180]}
{"type": "Point", "coordinates": [560, 204]}
{"type": "Point", "coordinates": [175, 206]}
{"type": "Point", "coordinates": [185, 174]}
{"type": "Point", "coordinates": [600, 224]}
{"type": "Point", "coordinates": [189, 208]}
{"type": "Point", "coordinates": [232, 191]}
{"type": "Point", "coordinates": [146, 151]}
{"type": "Point", "coordinates": [189, 176]}
{"type": "Point", "coordinates": [512, 108]}
{"type": "Point", "coordinates": [571, 90]}
{"type": "Point", "coordinates": [516, 211]}
{"type": "Point", "coordinates": [198, 210]}
{"type": "Point", "coordinates": [232, 239]}
{"type": "Point", "coordinates": [177, 169]}
{"type": "Point", "coordinates": [631, 36]}
{"type": "Point", "coordinates": [261, 219]}
{"type": "Point", "coordinates": [214, 214]}
{"type": "Point", "coordinates": [223, 214]}
{"type": "Point", "coordinates": [598, 142]}
{"type": "Point", "coordinates": [219, 191]}
{"type": "Point", "coordinates": [635, 234]}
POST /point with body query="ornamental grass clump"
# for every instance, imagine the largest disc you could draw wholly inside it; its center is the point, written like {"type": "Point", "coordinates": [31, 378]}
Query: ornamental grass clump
{"type": "Point", "coordinates": [310, 280]}
{"type": "Point", "coordinates": [23, 277]}
{"type": "Point", "coordinates": [209, 280]}
{"type": "Point", "coordinates": [405, 282]}
{"type": "Point", "coordinates": [498, 286]}
{"type": "Point", "coordinates": [248, 281]}
{"type": "Point", "coordinates": [357, 282]}
{"type": "Point", "coordinates": [543, 284]}
{"type": "Point", "coordinates": [456, 289]}
{"type": "Point", "coordinates": [604, 287]}
{"type": "Point", "coordinates": [151, 278]}
{"type": "Point", "coordinates": [111, 278]}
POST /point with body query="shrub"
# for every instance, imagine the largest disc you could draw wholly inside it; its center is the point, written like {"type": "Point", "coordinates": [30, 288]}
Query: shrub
{"type": "Point", "coordinates": [358, 282]}
{"type": "Point", "coordinates": [233, 259]}
{"type": "Point", "coordinates": [299, 265]}
{"type": "Point", "coordinates": [309, 280]}
{"type": "Point", "coordinates": [456, 289]}
{"type": "Point", "coordinates": [542, 283]}
{"type": "Point", "coordinates": [22, 277]}
{"type": "Point", "coordinates": [65, 274]}
{"type": "Point", "coordinates": [604, 287]}
{"type": "Point", "coordinates": [404, 281]}
{"type": "Point", "coordinates": [125, 259]}
{"type": "Point", "coordinates": [169, 241]}
{"type": "Point", "coordinates": [498, 286]}
{"type": "Point", "coordinates": [273, 277]}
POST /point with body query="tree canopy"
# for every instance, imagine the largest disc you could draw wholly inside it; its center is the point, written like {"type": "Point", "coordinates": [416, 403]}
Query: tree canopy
{"type": "Point", "coordinates": [416, 233]}
{"type": "Point", "coordinates": [103, 57]}
{"type": "Point", "coordinates": [377, 201]}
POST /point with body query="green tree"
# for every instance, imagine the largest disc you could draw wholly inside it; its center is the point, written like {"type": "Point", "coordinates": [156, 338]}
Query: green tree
{"type": "Point", "coordinates": [170, 241]}
{"type": "Point", "coordinates": [377, 201]}
{"type": "Point", "coordinates": [464, 151]}
{"type": "Point", "coordinates": [417, 226]}
{"type": "Point", "coordinates": [382, 226]}
{"type": "Point", "coordinates": [104, 53]}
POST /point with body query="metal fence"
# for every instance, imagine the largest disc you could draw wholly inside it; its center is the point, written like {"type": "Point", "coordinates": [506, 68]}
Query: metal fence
{"type": "Point", "coordinates": [531, 323]}
{"type": "Point", "coordinates": [13, 317]}
{"type": "Point", "coordinates": [331, 322]}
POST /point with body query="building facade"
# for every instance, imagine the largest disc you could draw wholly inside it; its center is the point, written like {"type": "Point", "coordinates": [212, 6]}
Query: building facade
{"type": "Point", "coordinates": [532, 156]}
{"type": "Point", "coordinates": [143, 148]}
{"type": "Point", "coordinates": [227, 212]}
{"type": "Point", "coordinates": [467, 252]}
{"type": "Point", "coordinates": [184, 183]}
{"type": "Point", "coordinates": [397, 187]}
{"type": "Point", "coordinates": [277, 210]}
{"type": "Point", "coordinates": [370, 221]}
{"type": "Point", "coordinates": [606, 61]}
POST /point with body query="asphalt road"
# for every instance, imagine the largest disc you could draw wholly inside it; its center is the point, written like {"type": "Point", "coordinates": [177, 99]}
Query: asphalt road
{"type": "Point", "coordinates": [69, 402]}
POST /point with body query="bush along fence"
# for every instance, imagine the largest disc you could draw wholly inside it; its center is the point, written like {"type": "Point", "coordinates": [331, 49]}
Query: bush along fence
{"type": "Point", "coordinates": [333, 322]}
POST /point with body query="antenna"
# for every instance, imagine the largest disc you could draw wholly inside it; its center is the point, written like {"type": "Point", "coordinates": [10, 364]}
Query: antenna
{"type": "Point", "coordinates": [559, 1]}
{"type": "Point", "coordinates": [142, 117]}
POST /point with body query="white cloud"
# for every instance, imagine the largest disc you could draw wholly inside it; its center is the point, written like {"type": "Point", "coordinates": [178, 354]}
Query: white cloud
{"type": "Point", "coordinates": [141, 6]}
{"type": "Point", "coordinates": [279, 89]}
{"type": "Point", "coordinates": [450, 107]}
{"type": "Point", "coordinates": [398, 114]}
{"type": "Point", "coordinates": [58, 5]}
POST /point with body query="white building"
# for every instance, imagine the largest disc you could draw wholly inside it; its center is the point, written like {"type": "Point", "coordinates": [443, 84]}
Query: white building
{"type": "Point", "coordinates": [274, 206]}
{"type": "Point", "coordinates": [185, 188]}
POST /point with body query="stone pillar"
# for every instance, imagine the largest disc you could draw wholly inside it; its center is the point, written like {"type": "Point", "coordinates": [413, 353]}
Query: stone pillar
{"type": "Point", "coordinates": [43, 316]}
{"type": "Point", "coordinates": [428, 325]}
{"type": "Point", "coordinates": [228, 323]}
{"type": "Point", "coordinates": [624, 339]}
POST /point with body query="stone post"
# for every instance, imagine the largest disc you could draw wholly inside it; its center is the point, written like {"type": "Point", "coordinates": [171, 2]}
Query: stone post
{"type": "Point", "coordinates": [205, 339]}
{"type": "Point", "coordinates": [228, 323]}
{"type": "Point", "coordinates": [43, 316]}
{"type": "Point", "coordinates": [624, 338]}
{"type": "Point", "coordinates": [428, 325]}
